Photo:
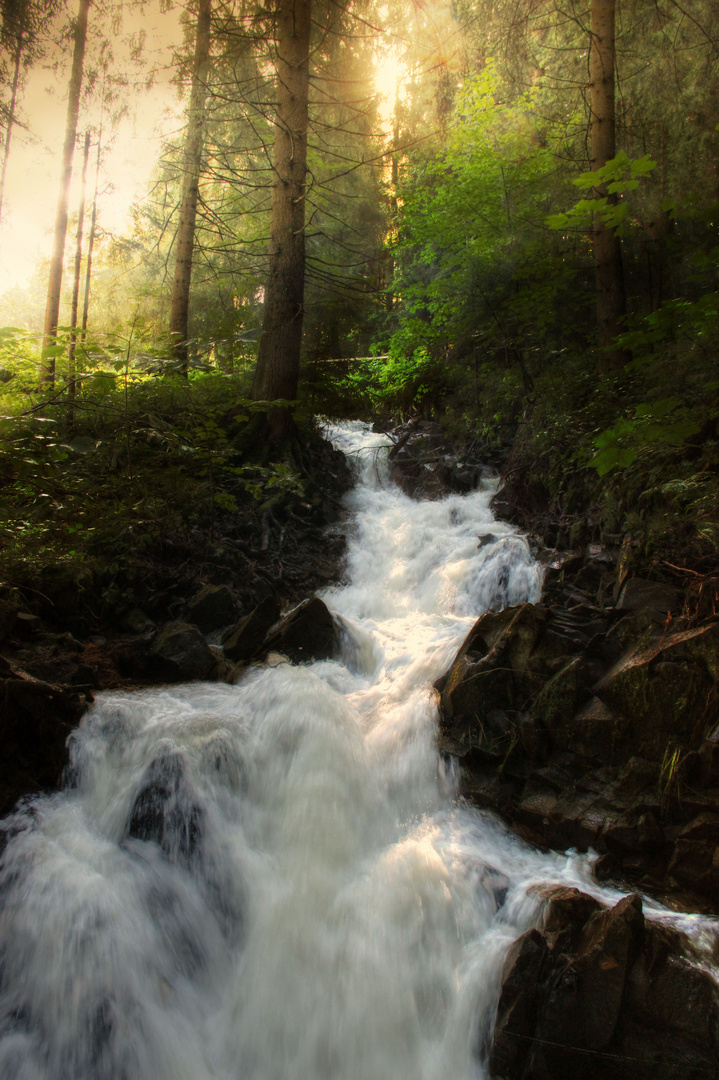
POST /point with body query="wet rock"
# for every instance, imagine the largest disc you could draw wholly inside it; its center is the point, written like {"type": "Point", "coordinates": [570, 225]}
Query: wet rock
{"type": "Point", "coordinates": [662, 689]}
{"type": "Point", "coordinates": [36, 719]}
{"type": "Point", "coordinates": [517, 1011]}
{"type": "Point", "coordinates": [602, 994]}
{"type": "Point", "coordinates": [166, 810]}
{"type": "Point", "coordinates": [245, 639]}
{"type": "Point", "coordinates": [491, 675]}
{"type": "Point", "coordinates": [560, 697]}
{"type": "Point", "coordinates": [180, 653]}
{"type": "Point", "coordinates": [307, 633]}
{"type": "Point", "coordinates": [212, 607]}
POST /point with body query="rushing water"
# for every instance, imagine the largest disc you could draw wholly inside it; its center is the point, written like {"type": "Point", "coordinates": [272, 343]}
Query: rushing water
{"type": "Point", "coordinates": [314, 905]}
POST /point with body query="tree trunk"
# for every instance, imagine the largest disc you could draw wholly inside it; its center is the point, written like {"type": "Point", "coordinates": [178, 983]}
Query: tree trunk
{"type": "Point", "coordinates": [609, 272]}
{"type": "Point", "coordinates": [91, 242]}
{"type": "Point", "coordinates": [278, 361]}
{"type": "Point", "coordinates": [52, 309]}
{"type": "Point", "coordinates": [11, 117]}
{"type": "Point", "coordinates": [76, 279]}
{"type": "Point", "coordinates": [191, 166]}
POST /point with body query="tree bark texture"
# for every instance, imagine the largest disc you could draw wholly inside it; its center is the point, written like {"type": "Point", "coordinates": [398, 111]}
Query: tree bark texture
{"type": "Point", "coordinates": [52, 309]}
{"type": "Point", "coordinates": [609, 271]}
{"type": "Point", "coordinates": [76, 275]}
{"type": "Point", "coordinates": [91, 242]}
{"type": "Point", "coordinates": [191, 168]}
{"type": "Point", "coordinates": [278, 361]}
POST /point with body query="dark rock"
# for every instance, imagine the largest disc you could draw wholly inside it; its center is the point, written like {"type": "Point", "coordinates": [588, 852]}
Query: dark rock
{"type": "Point", "coordinates": [212, 607]}
{"type": "Point", "coordinates": [8, 614]}
{"type": "Point", "coordinates": [560, 697]}
{"type": "Point", "coordinates": [166, 810]}
{"type": "Point", "coordinates": [638, 593]}
{"type": "Point", "coordinates": [601, 994]}
{"type": "Point", "coordinates": [660, 690]}
{"type": "Point", "coordinates": [180, 653]}
{"type": "Point", "coordinates": [137, 622]}
{"type": "Point", "coordinates": [245, 639]}
{"type": "Point", "coordinates": [307, 633]}
{"type": "Point", "coordinates": [28, 624]}
{"type": "Point", "coordinates": [695, 865]}
{"type": "Point", "coordinates": [517, 1011]}
{"type": "Point", "coordinates": [36, 719]}
{"type": "Point", "coordinates": [84, 675]}
{"type": "Point", "coordinates": [491, 674]}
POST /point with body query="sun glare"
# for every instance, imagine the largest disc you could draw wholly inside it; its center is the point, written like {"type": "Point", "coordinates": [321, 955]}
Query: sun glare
{"type": "Point", "coordinates": [388, 76]}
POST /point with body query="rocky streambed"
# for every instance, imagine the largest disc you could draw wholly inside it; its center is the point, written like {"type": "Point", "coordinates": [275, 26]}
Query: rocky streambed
{"type": "Point", "coordinates": [587, 720]}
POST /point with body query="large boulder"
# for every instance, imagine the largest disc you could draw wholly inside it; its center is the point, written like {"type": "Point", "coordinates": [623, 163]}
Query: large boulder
{"type": "Point", "coordinates": [603, 994]}
{"type": "Point", "coordinates": [180, 653]}
{"type": "Point", "coordinates": [244, 640]}
{"type": "Point", "coordinates": [36, 719]}
{"type": "Point", "coordinates": [166, 810]}
{"type": "Point", "coordinates": [307, 633]}
{"type": "Point", "coordinates": [491, 675]}
{"type": "Point", "coordinates": [213, 607]}
{"type": "Point", "coordinates": [660, 692]}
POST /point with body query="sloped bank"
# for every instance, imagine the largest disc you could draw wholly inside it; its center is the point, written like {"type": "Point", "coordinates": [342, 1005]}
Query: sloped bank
{"type": "Point", "coordinates": [199, 607]}
{"type": "Point", "coordinates": [596, 727]}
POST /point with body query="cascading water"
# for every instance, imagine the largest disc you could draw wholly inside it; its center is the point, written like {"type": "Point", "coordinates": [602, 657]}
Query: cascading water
{"type": "Point", "coordinates": [269, 881]}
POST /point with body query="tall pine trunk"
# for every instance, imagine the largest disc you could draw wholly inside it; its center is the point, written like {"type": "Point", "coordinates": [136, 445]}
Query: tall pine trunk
{"type": "Point", "coordinates": [278, 361]}
{"type": "Point", "coordinates": [52, 309]}
{"type": "Point", "coordinates": [609, 271]}
{"type": "Point", "coordinates": [91, 242]}
{"type": "Point", "coordinates": [191, 166]}
{"type": "Point", "coordinates": [76, 281]}
{"type": "Point", "coordinates": [11, 117]}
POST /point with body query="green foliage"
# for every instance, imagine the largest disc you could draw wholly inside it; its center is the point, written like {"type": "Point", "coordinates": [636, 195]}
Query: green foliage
{"type": "Point", "coordinates": [618, 177]}
{"type": "Point", "coordinates": [652, 423]}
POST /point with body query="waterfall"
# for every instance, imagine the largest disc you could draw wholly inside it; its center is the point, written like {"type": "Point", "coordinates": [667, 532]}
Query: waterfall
{"type": "Point", "coordinates": [274, 880]}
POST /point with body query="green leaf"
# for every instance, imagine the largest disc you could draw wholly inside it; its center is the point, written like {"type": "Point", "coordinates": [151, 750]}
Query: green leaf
{"type": "Point", "coordinates": [612, 457]}
{"type": "Point", "coordinates": [656, 409]}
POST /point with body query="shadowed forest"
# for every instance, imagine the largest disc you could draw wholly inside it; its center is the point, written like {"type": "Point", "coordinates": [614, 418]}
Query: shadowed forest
{"type": "Point", "coordinates": [501, 217]}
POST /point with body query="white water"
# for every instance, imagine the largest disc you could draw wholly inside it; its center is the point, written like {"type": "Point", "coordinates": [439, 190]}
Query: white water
{"type": "Point", "coordinates": [320, 908]}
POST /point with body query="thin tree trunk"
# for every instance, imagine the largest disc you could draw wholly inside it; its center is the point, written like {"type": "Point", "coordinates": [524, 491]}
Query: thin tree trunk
{"type": "Point", "coordinates": [278, 361]}
{"type": "Point", "coordinates": [393, 203]}
{"type": "Point", "coordinates": [11, 118]}
{"type": "Point", "coordinates": [192, 165]}
{"type": "Point", "coordinates": [76, 280]}
{"type": "Point", "coordinates": [609, 271]}
{"type": "Point", "coordinates": [52, 309]}
{"type": "Point", "coordinates": [91, 243]}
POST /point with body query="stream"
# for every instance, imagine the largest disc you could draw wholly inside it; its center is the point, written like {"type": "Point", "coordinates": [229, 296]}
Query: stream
{"type": "Point", "coordinates": [274, 880]}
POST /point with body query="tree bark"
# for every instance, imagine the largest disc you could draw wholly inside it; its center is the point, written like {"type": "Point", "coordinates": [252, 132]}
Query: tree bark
{"type": "Point", "coordinates": [76, 279]}
{"type": "Point", "coordinates": [91, 242]}
{"type": "Point", "coordinates": [191, 167]}
{"type": "Point", "coordinates": [52, 309]}
{"type": "Point", "coordinates": [609, 271]}
{"type": "Point", "coordinates": [11, 117]}
{"type": "Point", "coordinates": [278, 361]}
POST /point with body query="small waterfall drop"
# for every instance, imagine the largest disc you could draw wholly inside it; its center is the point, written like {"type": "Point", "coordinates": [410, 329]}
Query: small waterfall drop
{"type": "Point", "coordinates": [271, 881]}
